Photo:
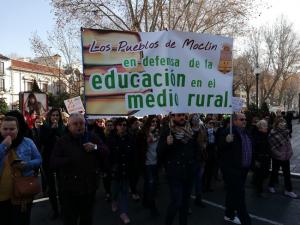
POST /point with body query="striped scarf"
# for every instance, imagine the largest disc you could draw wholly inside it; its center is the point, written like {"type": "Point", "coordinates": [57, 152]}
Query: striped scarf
{"type": "Point", "coordinates": [182, 133]}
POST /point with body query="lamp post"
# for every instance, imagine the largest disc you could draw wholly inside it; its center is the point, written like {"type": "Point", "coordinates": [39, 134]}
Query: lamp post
{"type": "Point", "coordinates": [59, 64]}
{"type": "Point", "coordinates": [256, 72]}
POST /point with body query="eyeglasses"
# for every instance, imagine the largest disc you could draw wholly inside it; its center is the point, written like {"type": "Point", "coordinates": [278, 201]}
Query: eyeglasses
{"type": "Point", "coordinates": [242, 119]}
{"type": "Point", "coordinates": [122, 125]}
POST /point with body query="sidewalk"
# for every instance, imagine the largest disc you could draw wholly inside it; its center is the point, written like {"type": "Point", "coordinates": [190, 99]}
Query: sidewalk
{"type": "Point", "coordinates": [295, 161]}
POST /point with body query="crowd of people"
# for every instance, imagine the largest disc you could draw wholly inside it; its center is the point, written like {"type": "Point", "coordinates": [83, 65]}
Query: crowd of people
{"type": "Point", "coordinates": [73, 155]}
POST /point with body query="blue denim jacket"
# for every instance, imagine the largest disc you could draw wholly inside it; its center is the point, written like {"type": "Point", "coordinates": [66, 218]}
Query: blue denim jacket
{"type": "Point", "coordinates": [27, 152]}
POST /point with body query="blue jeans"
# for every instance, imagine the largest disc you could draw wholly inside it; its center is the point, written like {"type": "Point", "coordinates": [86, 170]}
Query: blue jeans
{"type": "Point", "coordinates": [120, 194]}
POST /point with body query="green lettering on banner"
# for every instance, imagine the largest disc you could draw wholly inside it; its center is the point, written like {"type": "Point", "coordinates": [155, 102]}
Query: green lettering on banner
{"type": "Point", "coordinates": [132, 80]}
{"type": "Point", "coordinates": [126, 63]}
{"type": "Point", "coordinates": [156, 79]}
{"type": "Point", "coordinates": [150, 100]}
{"type": "Point", "coordinates": [151, 62]}
{"type": "Point", "coordinates": [162, 99]}
{"type": "Point", "coordinates": [146, 80]}
{"type": "Point", "coordinates": [123, 84]}
{"type": "Point", "coordinates": [203, 100]}
{"type": "Point", "coordinates": [209, 97]}
{"type": "Point", "coordinates": [219, 101]}
{"type": "Point", "coordinates": [110, 80]}
{"type": "Point", "coordinates": [194, 63]}
{"type": "Point", "coordinates": [135, 101]}
{"type": "Point", "coordinates": [196, 83]}
{"type": "Point", "coordinates": [226, 99]}
{"type": "Point", "coordinates": [129, 63]}
{"type": "Point", "coordinates": [190, 99]}
{"type": "Point", "coordinates": [96, 81]}
{"type": "Point", "coordinates": [200, 102]}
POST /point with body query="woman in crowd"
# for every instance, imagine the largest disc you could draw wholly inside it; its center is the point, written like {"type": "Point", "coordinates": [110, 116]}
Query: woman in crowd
{"type": "Point", "coordinates": [50, 132]}
{"type": "Point", "coordinates": [200, 135]}
{"type": "Point", "coordinates": [281, 152]}
{"type": "Point", "coordinates": [262, 157]}
{"type": "Point", "coordinates": [211, 160]}
{"type": "Point", "coordinates": [23, 126]}
{"type": "Point", "coordinates": [109, 127]}
{"type": "Point", "coordinates": [133, 131]}
{"type": "Point", "coordinates": [147, 143]}
{"type": "Point", "coordinates": [122, 161]}
{"type": "Point", "coordinates": [14, 146]}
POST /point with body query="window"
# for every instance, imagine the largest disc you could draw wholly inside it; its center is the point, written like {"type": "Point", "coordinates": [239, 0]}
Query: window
{"type": "Point", "coordinates": [2, 85]}
{"type": "Point", "coordinates": [29, 86]}
{"type": "Point", "coordinates": [44, 87]}
{"type": "Point", "coordinates": [1, 67]}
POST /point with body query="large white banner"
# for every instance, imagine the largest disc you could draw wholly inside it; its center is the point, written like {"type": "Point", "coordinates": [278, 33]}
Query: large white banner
{"type": "Point", "coordinates": [130, 73]}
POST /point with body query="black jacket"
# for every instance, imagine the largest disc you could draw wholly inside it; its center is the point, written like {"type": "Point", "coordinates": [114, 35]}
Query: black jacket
{"type": "Point", "coordinates": [78, 170]}
{"type": "Point", "coordinates": [231, 153]}
{"type": "Point", "coordinates": [261, 146]}
{"type": "Point", "coordinates": [178, 159]}
{"type": "Point", "coordinates": [123, 156]}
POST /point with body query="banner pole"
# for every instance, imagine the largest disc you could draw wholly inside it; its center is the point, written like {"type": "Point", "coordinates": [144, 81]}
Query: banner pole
{"type": "Point", "coordinates": [170, 123]}
{"type": "Point", "coordinates": [230, 127]}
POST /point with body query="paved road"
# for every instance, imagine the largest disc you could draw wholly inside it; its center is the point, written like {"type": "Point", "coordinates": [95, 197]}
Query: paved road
{"type": "Point", "coordinates": [276, 209]}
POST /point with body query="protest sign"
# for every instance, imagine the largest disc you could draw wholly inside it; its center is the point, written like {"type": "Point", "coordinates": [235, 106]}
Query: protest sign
{"type": "Point", "coordinates": [74, 105]}
{"type": "Point", "coordinates": [237, 104]}
{"type": "Point", "coordinates": [142, 73]}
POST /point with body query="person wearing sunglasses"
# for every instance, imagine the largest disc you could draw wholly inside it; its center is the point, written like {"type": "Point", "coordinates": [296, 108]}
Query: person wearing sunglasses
{"type": "Point", "coordinates": [235, 163]}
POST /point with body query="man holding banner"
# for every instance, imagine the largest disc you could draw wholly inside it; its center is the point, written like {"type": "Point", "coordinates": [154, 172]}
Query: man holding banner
{"type": "Point", "coordinates": [177, 150]}
{"type": "Point", "coordinates": [235, 163]}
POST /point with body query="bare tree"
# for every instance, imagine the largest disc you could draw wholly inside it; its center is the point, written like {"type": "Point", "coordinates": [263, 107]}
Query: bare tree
{"type": "Point", "coordinates": [276, 49]}
{"type": "Point", "coordinates": [282, 54]}
{"type": "Point", "coordinates": [291, 90]}
{"type": "Point", "coordinates": [218, 17]}
{"type": "Point", "coordinates": [65, 42]}
{"type": "Point", "coordinates": [243, 74]}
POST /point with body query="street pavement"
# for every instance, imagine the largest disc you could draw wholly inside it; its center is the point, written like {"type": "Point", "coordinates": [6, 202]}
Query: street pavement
{"type": "Point", "coordinates": [276, 209]}
{"type": "Point", "coordinates": [295, 160]}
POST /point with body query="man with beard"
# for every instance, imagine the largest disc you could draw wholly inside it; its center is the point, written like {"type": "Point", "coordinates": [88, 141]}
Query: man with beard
{"type": "Point", "coordinates": [177, 151]}
{"type": "Point", "coordinates": [77, 160]}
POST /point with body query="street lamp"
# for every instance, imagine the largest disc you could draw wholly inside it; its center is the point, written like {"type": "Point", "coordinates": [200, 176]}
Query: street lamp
{"type": "Point", "coordinates": [59, 64]}
{"type": "Point", "coordinates": [256, 72]}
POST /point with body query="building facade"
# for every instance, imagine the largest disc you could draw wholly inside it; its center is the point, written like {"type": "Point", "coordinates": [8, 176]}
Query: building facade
{"type": "Point", "coordinates": [18, 76]}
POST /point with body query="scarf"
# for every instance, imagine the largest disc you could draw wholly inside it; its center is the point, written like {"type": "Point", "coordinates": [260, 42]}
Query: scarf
{"type": "Point", "coordinates": [182, 133]}
{"type": "Point", "coordinates": [278, 138]}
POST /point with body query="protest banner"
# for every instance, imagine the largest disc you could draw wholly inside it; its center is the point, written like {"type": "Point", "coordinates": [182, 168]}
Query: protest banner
{"type": "Point", "coordinates": [74, 105]}
{"type": "Point", "coordinates": [237, 104]}
{"type": "Point", "coordinates": [142, 73]}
